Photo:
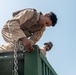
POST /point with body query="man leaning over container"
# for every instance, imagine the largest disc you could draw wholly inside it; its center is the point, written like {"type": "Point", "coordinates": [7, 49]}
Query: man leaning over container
{"type": "Point", "coordinates": [27, 25]}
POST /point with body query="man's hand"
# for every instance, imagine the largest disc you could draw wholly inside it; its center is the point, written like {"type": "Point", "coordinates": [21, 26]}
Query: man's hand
{"type": "Point", "coordinates": [27, 44]}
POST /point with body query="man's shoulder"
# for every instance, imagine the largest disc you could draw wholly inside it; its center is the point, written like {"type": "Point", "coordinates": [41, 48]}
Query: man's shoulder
{"type": "Point", "coordinates": [30, 9]}
{"type": "Point", "coordinates": [26, 9]}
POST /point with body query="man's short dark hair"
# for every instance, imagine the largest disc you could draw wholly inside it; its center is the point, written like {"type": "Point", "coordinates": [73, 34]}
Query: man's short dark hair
{"type": "Point", "coordinates": [53, 17]}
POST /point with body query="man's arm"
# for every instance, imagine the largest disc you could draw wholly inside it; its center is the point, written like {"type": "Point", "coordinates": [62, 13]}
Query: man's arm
{"type": "Point", "coordinates": [37, 35]}
{"type": "Point", "coordinates": [14, 27]}
{"type": "Point", "coordinates": [17, 21]}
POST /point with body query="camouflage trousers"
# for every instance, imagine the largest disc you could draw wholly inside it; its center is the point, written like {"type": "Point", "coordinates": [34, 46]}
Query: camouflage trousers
{"type": "Point", "coordinates": [9, 47]}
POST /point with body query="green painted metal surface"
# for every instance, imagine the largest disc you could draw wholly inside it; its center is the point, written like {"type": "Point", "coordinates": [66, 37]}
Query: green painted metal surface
{"type": "Point", "coordinates": [28, 63]}
{"type": "Point", "coordinates": [6, 63]}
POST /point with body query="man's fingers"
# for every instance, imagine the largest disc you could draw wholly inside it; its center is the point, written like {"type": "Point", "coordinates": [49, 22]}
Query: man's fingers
{"type": "Point", "coordinates": [29, 49]}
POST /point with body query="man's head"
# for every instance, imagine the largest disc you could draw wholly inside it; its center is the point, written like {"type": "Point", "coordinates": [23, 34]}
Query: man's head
{"type": "Point", "coordinates": [53, 17]}
{"type": "Point", "coordinates": [49, 19]}
{"type": "Point", "coordinates": [48, 46]}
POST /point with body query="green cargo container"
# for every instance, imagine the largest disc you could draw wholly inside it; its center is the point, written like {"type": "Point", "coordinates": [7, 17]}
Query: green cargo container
{"type": "Point", "coordinates": [28, 63]}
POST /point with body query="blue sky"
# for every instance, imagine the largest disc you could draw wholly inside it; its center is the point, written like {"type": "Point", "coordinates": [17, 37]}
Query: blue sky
{"type": "Point", "coordinates": [62, 57]}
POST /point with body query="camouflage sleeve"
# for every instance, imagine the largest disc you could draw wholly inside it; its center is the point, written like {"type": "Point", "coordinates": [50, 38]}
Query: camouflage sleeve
{"type": "Point", "coordinates": [37, 35]}
{"type": "Point", "coordinates": [18, 19]}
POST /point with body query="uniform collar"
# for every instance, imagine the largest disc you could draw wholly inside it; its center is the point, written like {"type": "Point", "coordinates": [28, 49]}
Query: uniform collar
{"type": "Point", "coordinates": [38, 15]}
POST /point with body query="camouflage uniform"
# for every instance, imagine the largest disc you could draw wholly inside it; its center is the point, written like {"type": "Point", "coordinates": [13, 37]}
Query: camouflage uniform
{"type": "Point", "coordinates": [25, 23]}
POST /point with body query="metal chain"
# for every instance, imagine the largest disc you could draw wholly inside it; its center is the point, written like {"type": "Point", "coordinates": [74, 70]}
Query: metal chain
{"type": "Point", "coordinates": [15, 59]}
{"type": "Point", "coordinates": [18, 46]}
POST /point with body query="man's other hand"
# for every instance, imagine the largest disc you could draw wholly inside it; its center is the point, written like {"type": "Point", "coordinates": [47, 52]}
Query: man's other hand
{"type": "Point", "coordinates": [27, 44]}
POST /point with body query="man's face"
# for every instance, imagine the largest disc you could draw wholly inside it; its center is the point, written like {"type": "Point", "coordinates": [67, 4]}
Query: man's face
{"type": "Point", "coordinates": [47, 47]}
{"type": "Point", "coordinates": [45, 21]}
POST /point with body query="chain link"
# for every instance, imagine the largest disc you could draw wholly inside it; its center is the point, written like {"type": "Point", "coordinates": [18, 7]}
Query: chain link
{"type": "Point", "coordinates": [20, 46]}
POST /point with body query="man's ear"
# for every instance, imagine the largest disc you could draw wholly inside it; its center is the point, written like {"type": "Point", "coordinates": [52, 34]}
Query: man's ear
{"type": "Point", "coordinates": [47, 15]}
